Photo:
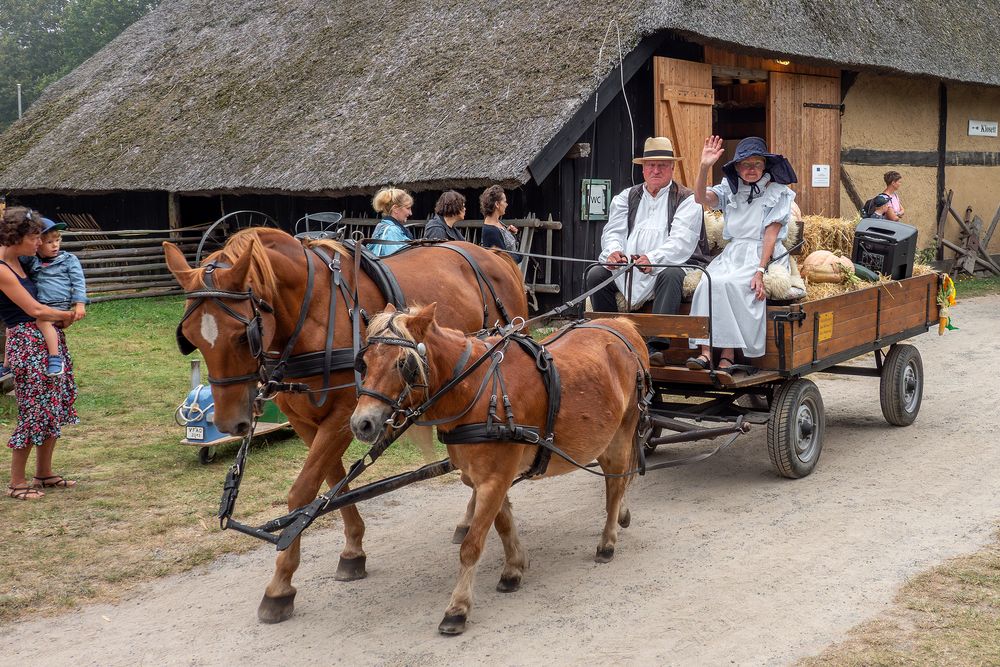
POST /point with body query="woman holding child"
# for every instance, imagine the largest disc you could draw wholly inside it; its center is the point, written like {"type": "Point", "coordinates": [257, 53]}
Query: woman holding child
{"type": "Point", "coordinates": [44, 402]}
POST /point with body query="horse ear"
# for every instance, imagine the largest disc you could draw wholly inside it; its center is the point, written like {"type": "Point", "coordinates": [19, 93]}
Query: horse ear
{"type": "Point", "coordinates": [389, 308]}
{"type": "Point", "coordinates": [240, 269]}
{"type": "Point", "coordinates": [179, 267]}
{"type": "Point", "coordinates": [421, 320]}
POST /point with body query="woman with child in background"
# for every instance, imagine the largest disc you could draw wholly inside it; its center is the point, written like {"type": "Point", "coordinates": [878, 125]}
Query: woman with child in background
{"type": "Point", "coordinates": [44, 401]}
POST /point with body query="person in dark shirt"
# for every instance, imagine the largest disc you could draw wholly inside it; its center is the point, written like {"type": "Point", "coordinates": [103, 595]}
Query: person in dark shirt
{"type": "Point", "coordinates": [449, 209]}
{"type": "Point", "coordinates": [493, 204]}
{"type": "Point", "coordinates": [44, 404]}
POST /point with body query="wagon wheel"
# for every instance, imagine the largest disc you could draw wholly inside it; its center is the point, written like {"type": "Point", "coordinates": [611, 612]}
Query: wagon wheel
{"type": "Point", "coordinates": [220, 230]}
{"type": "Point", "coordinates": [206, 455]}
{"type": "Point", "coordinates": [795, 430]}
{"type": "Point", "coordinates": [902, 385]}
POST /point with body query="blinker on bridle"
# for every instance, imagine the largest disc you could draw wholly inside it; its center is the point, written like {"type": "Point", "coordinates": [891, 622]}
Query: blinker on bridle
{"type": "Point", "coordinates": [409, 370]}
{"type": "Point", "coordinates": [253, 324]}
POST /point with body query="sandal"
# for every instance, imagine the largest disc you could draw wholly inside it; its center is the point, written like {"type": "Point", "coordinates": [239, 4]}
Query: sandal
{"type": "Point", "coordinates": [23, 492]}
{"type": "Point", "coordinates": [52, 481]}
{"type": "Point", "coordinates": [731, 368]}
{"type": "Point", "coordinates": [699, 363]}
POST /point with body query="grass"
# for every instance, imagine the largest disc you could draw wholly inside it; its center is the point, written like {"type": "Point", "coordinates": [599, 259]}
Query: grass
{"type": "Point", "coordinates": [969, 287]}
{"type": "Point", "coordinates": [145, 507]}
{"type": "Point", "coordinates": [947, 616]}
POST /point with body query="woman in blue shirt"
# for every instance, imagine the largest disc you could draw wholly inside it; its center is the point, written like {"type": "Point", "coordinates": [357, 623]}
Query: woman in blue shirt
{"type": "Point", "coordinates": [395, 207]}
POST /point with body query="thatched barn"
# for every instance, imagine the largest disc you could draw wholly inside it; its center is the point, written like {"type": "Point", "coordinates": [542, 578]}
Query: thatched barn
{"type": "Point", "coordinates": [290, 106]}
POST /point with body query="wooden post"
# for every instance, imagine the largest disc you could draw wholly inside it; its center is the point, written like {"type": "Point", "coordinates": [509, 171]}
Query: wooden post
{"type": "Point", "coordinates": [173, 213]}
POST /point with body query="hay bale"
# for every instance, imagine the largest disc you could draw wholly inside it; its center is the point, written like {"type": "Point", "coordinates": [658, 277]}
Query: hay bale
{"type": "Point", "coordinates": [816, 291]}
{"type": "Point", "coordinates": [833, 234]}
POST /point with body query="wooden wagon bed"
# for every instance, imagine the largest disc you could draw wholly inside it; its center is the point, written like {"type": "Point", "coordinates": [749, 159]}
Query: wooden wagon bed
{"type": "Point", "coordinates": [802, 338]}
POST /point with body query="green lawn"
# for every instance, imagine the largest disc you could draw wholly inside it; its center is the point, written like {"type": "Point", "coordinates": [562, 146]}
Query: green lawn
{"type": "Point", "coordinates": [144, 506]}
{"type": "Point", "coordinates": [969, 287]}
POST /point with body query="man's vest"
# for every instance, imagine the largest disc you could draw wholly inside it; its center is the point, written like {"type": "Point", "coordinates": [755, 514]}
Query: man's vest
{"type": "Point", "coordinates": [677, 193]}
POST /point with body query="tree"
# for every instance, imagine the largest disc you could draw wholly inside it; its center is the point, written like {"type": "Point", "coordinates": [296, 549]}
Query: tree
{"type": "Point", "coordinates": [43, 40]}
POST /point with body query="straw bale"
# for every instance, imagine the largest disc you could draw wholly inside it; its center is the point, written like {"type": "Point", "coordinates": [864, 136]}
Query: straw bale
{"type": "Point", "coordinates": [816, 291]}
{"type": "Point", "coordinates": [833, 234]}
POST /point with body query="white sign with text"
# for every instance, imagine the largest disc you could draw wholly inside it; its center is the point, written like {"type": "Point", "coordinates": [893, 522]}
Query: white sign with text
{"type": "Point", "coordinates": [982, 128]}
{"type": "Point", "coordinates": [821, 175]}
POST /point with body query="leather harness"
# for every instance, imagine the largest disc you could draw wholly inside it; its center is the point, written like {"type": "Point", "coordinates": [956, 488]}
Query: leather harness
{"type": "Point", "coordinates": [495, 429]}
{"type": "Point", "coordinates": [275, 368]}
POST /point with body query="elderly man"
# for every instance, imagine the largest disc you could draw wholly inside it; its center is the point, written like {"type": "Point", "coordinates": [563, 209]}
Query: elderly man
{"type": "Point", "coordinates": [657, 222]}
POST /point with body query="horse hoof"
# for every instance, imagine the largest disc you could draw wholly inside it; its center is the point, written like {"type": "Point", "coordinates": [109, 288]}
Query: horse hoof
{"type": "Point", "coordinates": [276, 610]}
{"type": "Point", "coordinates": [508, 584]}
{"type": "Point", "coordinates": [351, 569]}
{"type": "Point", "coordinates": [452, 624]}
{"type": "Point", "coordinates": [624, 518]}
{"type": "Point", "coordinates": [604, 555]}
{"type": "Point", "coordinates": [460, 533]}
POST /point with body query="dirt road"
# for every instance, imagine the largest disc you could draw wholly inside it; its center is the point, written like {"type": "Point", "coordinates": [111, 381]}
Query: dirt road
{"type": "Point", "coordinates": [724, 561]}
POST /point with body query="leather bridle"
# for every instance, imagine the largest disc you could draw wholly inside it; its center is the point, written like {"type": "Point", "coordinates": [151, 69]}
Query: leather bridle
{"type": "Point", "coordinates": [254, 327]}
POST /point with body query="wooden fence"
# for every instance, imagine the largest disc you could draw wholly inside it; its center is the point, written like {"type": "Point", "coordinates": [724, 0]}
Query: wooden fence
{"type": "Point", "coordinates": [129, 264]}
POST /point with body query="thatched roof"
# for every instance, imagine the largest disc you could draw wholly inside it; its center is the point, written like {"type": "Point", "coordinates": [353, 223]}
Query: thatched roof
{"type": "Point", "coordinates": [340, 97]}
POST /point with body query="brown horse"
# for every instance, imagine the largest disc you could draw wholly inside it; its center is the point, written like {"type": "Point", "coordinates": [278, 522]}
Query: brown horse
{"type": "Point", "coordinates": [412, 356]}
{"type": "Point", "coordinates": [273, 265]}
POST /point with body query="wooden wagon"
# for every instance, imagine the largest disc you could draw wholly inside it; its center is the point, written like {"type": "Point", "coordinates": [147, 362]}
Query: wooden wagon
{"type": "Point", "coordinates": [802, 338]}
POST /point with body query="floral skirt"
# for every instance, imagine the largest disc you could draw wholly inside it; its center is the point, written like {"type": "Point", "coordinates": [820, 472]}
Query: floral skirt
{"type": "Point", "coordinates": [44, 404]}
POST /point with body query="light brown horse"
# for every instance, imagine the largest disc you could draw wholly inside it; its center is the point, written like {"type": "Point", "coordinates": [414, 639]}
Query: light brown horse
{"type": "Point", "coordinates": [272, 264]}
{"type": "Point", "coordinates": [600, 377]}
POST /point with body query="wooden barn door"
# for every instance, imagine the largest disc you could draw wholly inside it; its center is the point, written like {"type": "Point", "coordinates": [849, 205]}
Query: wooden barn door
{"type": "Point", "coordinates": [803, 124]}
{"type": "Point", "coordinates": [683, 110]}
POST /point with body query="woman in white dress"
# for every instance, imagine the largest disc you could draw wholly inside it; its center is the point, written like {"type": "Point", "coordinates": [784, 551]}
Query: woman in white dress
{"type": "Point", "coordinates": [755, 200]}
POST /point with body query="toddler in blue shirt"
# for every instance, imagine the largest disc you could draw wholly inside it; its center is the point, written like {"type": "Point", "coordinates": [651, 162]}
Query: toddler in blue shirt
{"type": "Point", "coordinates": [58, 276]}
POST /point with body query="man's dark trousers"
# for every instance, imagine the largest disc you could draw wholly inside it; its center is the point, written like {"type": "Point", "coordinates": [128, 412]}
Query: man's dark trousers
{"type": "Point", "coordinates": [667, 292]}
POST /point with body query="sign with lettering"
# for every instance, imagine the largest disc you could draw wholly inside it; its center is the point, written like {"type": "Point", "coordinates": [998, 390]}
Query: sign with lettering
{"type": "Point", "coordinates": [982, 128]}
{"type": "Point", "coordinates": [821, 175]}
{"type": "Point", "coordinates": [595, 199]}
{"type": "Point", "coordinates": [825, 326]}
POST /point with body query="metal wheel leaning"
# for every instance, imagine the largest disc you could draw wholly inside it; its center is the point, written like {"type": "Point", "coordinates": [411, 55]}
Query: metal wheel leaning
{"type": "Point", "coordinates": [795, 430]}
{"type": "Point", "coordinates": [902, 385]}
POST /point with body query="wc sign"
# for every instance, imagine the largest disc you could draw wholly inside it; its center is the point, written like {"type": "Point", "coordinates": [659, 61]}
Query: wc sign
{"type": "Point", "coordinates": [982, 128]}
{"type": "Point", "coordinates": [595, 198]}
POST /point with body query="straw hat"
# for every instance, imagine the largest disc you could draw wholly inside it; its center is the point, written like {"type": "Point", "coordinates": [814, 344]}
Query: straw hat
{"type": "Point", "coordinates": [656, 148]}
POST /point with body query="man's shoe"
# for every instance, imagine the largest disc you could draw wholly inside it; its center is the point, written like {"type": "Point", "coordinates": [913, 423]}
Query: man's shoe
{"type": "Point", "coordinates": [5, 372]}
{"type": "Point", "coordinates": [657, 359]}
{"type": "Point", "coordinates": [56, 366]}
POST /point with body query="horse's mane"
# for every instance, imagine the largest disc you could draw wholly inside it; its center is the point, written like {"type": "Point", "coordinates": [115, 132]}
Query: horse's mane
{"type": "Point", "coordinates": [335, 246]}
{"type": "Point", "coordinates": [395, 325]}
{"type": "Point", "coordinates": [261, 274]}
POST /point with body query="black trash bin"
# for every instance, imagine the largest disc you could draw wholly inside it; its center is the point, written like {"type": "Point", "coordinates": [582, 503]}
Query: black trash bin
{"type": "Point", "coordinates": [885, 247]}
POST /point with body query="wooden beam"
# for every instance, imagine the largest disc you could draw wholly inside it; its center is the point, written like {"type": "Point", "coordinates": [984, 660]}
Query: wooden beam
{"type": "Point", "coordinates": [944, 205]}
{"type": "Point", "coordinates": [557, 148]}
{"type": "Point", "coordinates": [942, 148]}
{"type": "Point", "coordinates": [852, 192]}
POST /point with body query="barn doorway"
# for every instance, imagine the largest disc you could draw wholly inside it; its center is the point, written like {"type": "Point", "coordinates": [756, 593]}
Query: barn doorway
{"type": "Point", "coordinates": [795, 108]}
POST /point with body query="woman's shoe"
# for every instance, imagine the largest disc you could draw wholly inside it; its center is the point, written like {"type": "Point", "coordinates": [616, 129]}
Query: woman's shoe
{"type": "Point", "coordinates": [52, 482]}
{"type": "Point", "coordinates": [730, 367]}
{"type": "Point", "coordinates": [23, 492]}
{"type": "Point", "coordinates": [699, 363]}
{"type": "Point", "coordinates": [55, 366]}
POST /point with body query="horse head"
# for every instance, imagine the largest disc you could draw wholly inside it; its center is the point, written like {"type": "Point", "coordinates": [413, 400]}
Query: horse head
{"type": "Point", "coordinates": [230, 320]}
{"type": "Point", "coordinates": [395, 368]}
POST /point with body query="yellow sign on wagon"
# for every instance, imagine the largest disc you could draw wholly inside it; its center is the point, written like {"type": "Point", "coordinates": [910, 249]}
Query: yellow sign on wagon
{"type": "Point", "coordinates": [825, 326]}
